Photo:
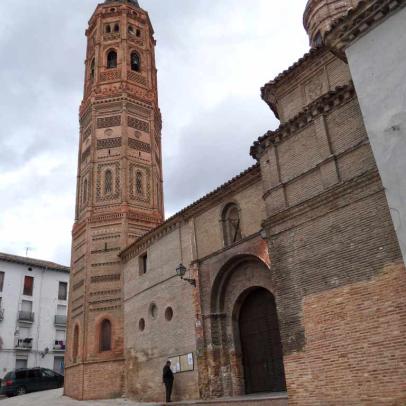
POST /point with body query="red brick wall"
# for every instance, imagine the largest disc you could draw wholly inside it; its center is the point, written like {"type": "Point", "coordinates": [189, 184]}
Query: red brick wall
{"type": "Point", "coordinates": [355, 352]}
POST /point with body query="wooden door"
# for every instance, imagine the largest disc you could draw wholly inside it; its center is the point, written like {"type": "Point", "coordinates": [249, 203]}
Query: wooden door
{"type": "Point", "coordinates": [261, 344]}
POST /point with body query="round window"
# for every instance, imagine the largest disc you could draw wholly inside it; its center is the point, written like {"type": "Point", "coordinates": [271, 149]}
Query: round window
{"type": "Point", "coordinates": [141, 324]}
{"type": "Point", "coordinates": [153, 310]}
{"type": "Point", "coordinates": [169, 313]}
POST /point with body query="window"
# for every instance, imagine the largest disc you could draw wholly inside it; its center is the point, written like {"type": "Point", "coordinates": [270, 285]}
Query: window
{"type": "Point", "coordinates": [59, 365]}
{"type": "Point", "coordinates": [138, 33]}
{"type": "Point", "coordinates": [92, 65]}
{"type": "Point", "coordinates": [116, 28]}
{"type": "Point", "coordinates": [169, 313]}
{"type": "Point", "coordinates": [112, 60]}
{"type": "Point", "coordinates": [135, 62]}
{"type": "Point", "coordinates": [75, 343]}
{"type": "Point", "coordinates": [231, 224]}
{"type": "Point", "coordinates": [34, 373]}
{"type": "Point", "coordinates": [143, 264]}
{"type": "Point", "coordinates": [28, 285]}
{"type": "Point", "coordinates": [108, 29]}
{"type": "Point", "coordinates": [47, 373]}
{"type": "Point", "coordinates": [105, 336]}
{"type": "Point", "coordinates": [141, 325]}
{"type": "Point", "coordinates": [63, 291]}
{"type": "Point", "coordinates": [138, 183]}
{"type": "Point", "coordinates": [108, 182]}
{"type": "Point", "coordinates": [153, 310]}
{"type": "Point", "coordinates": [1, 281]}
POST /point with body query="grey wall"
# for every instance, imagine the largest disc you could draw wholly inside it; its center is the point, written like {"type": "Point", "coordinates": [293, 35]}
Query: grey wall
{"type": "Point", "coordinates": [378, 66]}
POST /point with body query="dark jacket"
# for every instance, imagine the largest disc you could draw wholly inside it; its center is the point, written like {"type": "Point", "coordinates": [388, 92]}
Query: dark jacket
{"type": "Point", "coordinates": [167, 374]}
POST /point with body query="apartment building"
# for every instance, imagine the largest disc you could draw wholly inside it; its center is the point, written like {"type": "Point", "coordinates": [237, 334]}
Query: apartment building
{"type": "Point", "coordinates": [33, 309]}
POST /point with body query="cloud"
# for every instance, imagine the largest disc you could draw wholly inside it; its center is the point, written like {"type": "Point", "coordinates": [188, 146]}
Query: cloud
{"type": "Point", "coordinates": [212, 59]}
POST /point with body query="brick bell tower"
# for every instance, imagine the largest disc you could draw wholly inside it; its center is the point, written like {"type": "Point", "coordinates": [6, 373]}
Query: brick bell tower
{"type": "Point", "coordinates": [119, 191]}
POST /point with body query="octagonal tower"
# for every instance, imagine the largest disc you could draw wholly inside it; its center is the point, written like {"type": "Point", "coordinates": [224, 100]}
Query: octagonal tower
{"type": "Point", "coordinates": [119, 190]}
{"type": "Point", "coordinates": [320, 14]}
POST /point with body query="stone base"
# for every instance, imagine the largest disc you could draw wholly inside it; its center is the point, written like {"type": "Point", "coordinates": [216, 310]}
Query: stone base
{"type": "Point", "coordinates": [263, 399]}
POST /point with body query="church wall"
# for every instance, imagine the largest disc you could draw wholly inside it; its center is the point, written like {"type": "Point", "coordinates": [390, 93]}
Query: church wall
{"type": "Point", "coordinates": [337, 262]}
{"type": "Point", "coordinates": [209, 231]}
{"type": "Point", "coordinates": [316, 73]}
{"type": "Point", "coordinates": [192, 240]}
{"type": "Point", "coordinates": [148, 350]}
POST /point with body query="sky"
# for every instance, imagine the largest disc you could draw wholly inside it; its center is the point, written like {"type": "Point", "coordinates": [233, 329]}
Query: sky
{"type": "Point", "coordinates": [213, 56]}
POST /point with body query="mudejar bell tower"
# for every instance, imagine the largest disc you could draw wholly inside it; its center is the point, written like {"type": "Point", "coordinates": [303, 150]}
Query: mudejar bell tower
{"type": "Point", "coordinates": [119, 191]}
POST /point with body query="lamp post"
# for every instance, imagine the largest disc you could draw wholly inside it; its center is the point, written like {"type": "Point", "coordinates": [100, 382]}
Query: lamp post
{"type": "Point", "coordinates": [181, 271]}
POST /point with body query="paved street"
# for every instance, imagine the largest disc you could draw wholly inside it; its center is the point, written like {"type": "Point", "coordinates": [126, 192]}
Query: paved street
{"type": "Point", "coordinates": [55, 398]}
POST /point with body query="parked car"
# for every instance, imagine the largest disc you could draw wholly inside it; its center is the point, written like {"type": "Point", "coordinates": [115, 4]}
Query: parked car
{"type": "Point", "coordinates": [22, 381]}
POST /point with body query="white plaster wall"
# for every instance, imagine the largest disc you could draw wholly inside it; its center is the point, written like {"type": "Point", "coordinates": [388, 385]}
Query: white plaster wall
{"type": "Point", "coordinates": [378, 67]}
{"type": "Point", "coordinates": [45, 302]}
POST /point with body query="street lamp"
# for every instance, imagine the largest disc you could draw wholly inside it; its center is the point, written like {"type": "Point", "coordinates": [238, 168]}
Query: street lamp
{"type": "Point", "coordinates": [181, 271]}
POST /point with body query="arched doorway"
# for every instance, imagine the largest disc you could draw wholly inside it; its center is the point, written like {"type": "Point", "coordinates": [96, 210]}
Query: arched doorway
{"type": "Point", "coordinates": [261, 343]}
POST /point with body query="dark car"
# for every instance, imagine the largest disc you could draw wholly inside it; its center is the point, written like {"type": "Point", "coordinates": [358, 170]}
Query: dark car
{"type": "Point", "coordinates": [21, 381]}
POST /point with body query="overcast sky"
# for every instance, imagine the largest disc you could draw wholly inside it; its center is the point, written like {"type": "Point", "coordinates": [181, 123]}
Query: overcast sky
{"type": "Point", "coordinates": [212, 57]}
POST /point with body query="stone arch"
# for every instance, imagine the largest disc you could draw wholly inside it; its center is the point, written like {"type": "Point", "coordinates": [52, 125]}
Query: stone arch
{"type": "Point", "coordinates": [236, 279]}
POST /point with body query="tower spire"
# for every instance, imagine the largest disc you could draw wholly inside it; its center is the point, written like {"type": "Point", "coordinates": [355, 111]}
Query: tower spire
{"type": "Point", "coordinates": [133, 2]}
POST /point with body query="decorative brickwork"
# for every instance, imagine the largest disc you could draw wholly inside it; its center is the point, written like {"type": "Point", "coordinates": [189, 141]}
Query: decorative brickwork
{"type": "Point", "coordinates": [105, 122]}
{"type": "Point", "coordinates": [110, 75]}
{"type": "Point", "coordinates": [136, 77]}
{"type": "Point", "coordinates": [138, 124]}
{"type": "Point", "coordinates": [109, 143]}
{"type": "Point", "coordinates": [139, 145]}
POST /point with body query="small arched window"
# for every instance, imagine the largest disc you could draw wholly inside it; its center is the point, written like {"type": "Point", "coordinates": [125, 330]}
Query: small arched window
{"type": "Point", "coordinates": [105, 336]}
{"type": "Point", "coordinates": [108, 182]}
{"type": "Point", "coordinates": [75, 343]}
{"type": "Point", "coordinates": [231, 224]}
{"type": "Point", "coordinates": [139, 187]}
{"type": "Point", "coordinates": [135, 61]}
{"type": "Point", "coordinates": [84, 193]}
{"type": "Point", "coordinates": [92, 67]}
{"type": "Point", "coordinates": [116, 28]}
{"type": "Point", "coordinates": [108, 29]}
{"type": "Point", "coordinates": [112, 60]}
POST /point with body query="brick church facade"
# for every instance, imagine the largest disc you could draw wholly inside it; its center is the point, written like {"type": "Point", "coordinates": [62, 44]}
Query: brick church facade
{"type": "Point", "coordinates": [286, 280]}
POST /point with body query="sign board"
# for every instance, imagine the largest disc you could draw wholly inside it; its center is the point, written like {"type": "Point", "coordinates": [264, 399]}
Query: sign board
{"type": "Point", "coordinates": [182, 363]}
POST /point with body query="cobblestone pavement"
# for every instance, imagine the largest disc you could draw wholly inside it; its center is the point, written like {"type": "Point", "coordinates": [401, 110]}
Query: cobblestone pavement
{"type": "Point", "coordinates": [56, 398]}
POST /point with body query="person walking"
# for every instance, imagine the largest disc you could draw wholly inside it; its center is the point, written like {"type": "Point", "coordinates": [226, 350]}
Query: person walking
{"type": "Point", "coordinates": [167, 378]}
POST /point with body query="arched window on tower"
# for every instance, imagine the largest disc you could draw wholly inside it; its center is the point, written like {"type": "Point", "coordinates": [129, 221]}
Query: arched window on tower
{"type": "Point", "coordinates": [116, 28]}
{"type": "Point", "coordinates": [75, 343]}
{"type": "Point", "coordinates": [108, 182]}
{"type": "Point", "coordinates": [84, 192]}
{"type": "Point", "coordinates": [139, 187]}
{"type": "Point", "coordinates": [135, 61]}
{"type": "Point", "coordinates": [231, 224]}
{"type": "Point", "coordinates": [112, 60]}
{"type": "Point", "coordinates": [108, 29]}
{"type": "Point", "coordinates": [92, 68]}
{"type": "Point", "coordinates": [105, 336]}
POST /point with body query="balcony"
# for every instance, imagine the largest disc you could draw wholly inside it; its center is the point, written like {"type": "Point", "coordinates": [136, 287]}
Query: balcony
{"type": "Point", "coordinates": [1, 314]}
{"type": "Point", "coordinates": [24, 344]}
{"type": "Point", "coordinates": [60, 320]}
{"type": "Point", "coordinates": [59, 346]}
{"type": "Point", "coordinates": [25, 317]}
